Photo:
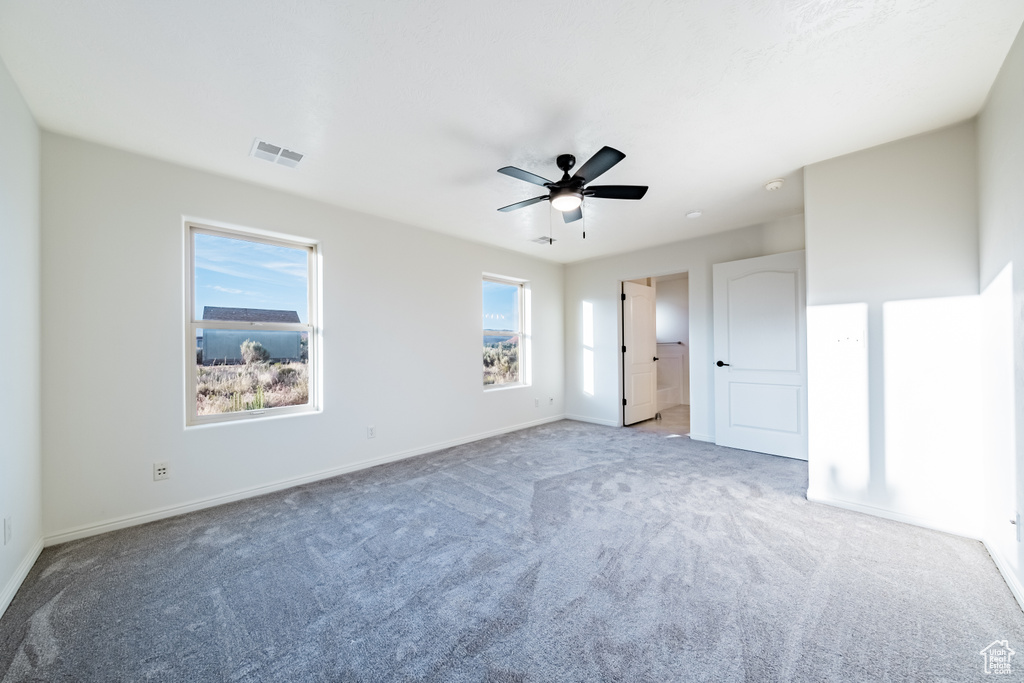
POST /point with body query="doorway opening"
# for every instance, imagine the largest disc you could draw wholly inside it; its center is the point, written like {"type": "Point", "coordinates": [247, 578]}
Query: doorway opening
{"type": "Point", "coordinates": [656, 354]}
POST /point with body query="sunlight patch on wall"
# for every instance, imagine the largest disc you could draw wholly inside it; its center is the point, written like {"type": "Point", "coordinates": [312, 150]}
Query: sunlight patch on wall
{"type": "Point", "coordinates": [999, 476]}
{"type": "Point", "coordinates": [588, 348]}
{"type": "Point", "coordinates": [837, 387]}
{"type": "Point", "coordinates": [933, 410]}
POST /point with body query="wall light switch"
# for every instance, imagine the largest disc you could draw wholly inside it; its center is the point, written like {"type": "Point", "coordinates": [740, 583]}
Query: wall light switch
{"type": "Point", "coordinates": [8, 532]}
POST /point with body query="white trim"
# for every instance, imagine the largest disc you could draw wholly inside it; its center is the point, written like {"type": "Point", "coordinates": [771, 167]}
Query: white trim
{"type": "Point", "coordinates": [244, 327]}
{"type": "Point", "coordinates": [701, 437]}
{"type": "Point", "coordinates": [889, 514]}
{"type": "Point", "coordinates": [218, 229]}
{"type": "Point", "coordinates": [504, 279]}
{"type": "Point", "coordinates": [1012, 582]}
{"type": "Point", "coordinates": [593, 420]}
{"type": "Point", "coordinates": [11, 589]}
{"type": "Point", "coordinates": [505, 387]}
{"type": "Point", "coordinates": [126, 521]}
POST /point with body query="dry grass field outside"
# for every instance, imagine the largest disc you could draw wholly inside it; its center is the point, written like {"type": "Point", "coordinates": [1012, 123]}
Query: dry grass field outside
{"type": "Point", "coordinates": [501, 361]}
{"type": "Point", "coordinates": [251, 386]}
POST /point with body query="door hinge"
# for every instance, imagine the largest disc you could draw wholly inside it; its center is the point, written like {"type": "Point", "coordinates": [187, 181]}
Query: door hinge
{"type": "Point", "coordinates": [623, 401]}
{"type": "Point", "coordinates": [623, 348]}
{"type": "Point", "coordinates": [623, 296]}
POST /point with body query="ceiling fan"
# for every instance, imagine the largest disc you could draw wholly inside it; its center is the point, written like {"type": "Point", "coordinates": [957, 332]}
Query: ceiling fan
{"type": "Point", "coordinates": [567, 194]}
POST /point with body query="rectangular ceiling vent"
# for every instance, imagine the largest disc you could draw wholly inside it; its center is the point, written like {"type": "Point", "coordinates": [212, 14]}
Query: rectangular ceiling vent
{"type": "Point", "coordinates": [545, 240]}
{"type": "Point", "coordinates": [274, 154]}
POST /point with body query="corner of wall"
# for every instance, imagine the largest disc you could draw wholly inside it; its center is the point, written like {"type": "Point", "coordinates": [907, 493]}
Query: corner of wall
{"type": "Point", "coordinates": [21, 571]}
{"type": "Point", "coordinates": [1000, 160]}
{"type": "Point", "coordinates": [20, 320]}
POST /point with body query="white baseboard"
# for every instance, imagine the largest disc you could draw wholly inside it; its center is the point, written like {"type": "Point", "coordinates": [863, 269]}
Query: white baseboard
{"type": "Point", "coordinates": [1004, 567]}
{"type": "Point", "coordinates": [593, 420]}
{"type": "Point", "coordinates": [702, 437]}
{"type": "Point", "coordinates": [94, 529]}
{"type": "Point", "coordinates": [11, 589]}
{"type": "Point", "coordinates": [885, 513]}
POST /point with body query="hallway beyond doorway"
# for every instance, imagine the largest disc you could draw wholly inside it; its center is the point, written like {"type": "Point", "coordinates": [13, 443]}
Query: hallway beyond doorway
{"type": "Point", "coordinates": [675, 421]}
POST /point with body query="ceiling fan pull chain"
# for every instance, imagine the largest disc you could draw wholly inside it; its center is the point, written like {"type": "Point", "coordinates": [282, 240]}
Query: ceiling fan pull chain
{"type": "Point", "coordinates": [551, 230]}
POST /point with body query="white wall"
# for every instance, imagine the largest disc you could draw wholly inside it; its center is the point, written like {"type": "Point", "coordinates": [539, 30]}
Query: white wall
{"type": "Point", "coordinates": [401, 330]}
{"type": "Point", "coordinates": [20, 488]}
{"type": "Point", "coordinates": [1001, 225]}
{"type": "Point", "coordinates": [893, 330]}
{"type": "Point", "coordinates": [673, 310]}
{"type": "Point", "coordinates": [898, 221]}
{"type": "Point", "coordinates": [597, 282]}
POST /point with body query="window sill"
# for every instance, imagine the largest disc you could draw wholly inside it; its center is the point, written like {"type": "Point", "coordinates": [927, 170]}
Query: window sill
{"type": "Point", "coordinates": [505, 387]}
{"type": "Point", "coordinates": [251, 416]}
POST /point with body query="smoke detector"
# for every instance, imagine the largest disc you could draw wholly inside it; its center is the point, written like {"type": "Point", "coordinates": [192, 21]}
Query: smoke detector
{"type": "Point", "coordinates": [773, 185]}
{"type": "Point", "coordinates": [696, 213]}
{"type": "Point", "coordinates": [275, 154]}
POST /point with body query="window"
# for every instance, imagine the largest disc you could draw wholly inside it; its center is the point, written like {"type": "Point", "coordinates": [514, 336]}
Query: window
{"type": "Point", "coordinates": [505, 327]}
{"type": "Point", "coordinates": [252, 329]}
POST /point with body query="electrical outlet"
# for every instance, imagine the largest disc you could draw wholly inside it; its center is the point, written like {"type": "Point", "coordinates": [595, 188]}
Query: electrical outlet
{"type": "Point", "coordinates": [536, 403]}
{"type": "Point", "coordinates": [371, 432]}
{"type": "Point", "coordinates": [8, 533]}
{"type": "Point", "coordinates": [161, 470]}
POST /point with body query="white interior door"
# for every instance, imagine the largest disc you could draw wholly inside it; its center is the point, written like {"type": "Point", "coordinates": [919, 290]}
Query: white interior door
{"type": "Point", "coordinates": [761, 355]}
{"type": "Point", "coordinates": [639, 373]}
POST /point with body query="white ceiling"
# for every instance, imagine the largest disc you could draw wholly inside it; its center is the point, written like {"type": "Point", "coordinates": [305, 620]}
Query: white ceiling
{"type": "Point", "coordinates": [405, 109]}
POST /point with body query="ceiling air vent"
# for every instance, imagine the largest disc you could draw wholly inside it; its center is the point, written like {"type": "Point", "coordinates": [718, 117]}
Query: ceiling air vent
{"type": "Point", "coordinates": [274, 154]}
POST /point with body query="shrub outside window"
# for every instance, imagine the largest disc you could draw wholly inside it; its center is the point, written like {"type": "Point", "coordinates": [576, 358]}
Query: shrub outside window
{"type": "Point", "coordinates": [251, 330]}
{"type": "Point", "coordinates": [505, 346]}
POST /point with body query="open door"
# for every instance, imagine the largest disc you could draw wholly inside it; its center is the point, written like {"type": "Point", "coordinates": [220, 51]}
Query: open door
{"type": "Point", "coordinates": [639, 374]}
{"type": "Point", "coordinates": [761, 355]}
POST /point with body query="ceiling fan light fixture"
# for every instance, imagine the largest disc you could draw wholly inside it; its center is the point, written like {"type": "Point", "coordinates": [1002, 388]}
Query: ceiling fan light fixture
{"type": "Point", "coordinates": [566, 200]}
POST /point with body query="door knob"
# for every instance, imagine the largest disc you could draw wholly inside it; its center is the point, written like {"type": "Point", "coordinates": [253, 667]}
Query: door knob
{"type": "Point", "coordinates": [720, 363]}
{"type": "Point", "coordinates": [655, 358]}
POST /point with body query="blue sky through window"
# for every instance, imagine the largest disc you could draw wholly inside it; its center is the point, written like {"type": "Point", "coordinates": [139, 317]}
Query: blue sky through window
{"type": "Point", "coordinates": [501, 306]}
{"type": "Point", "coordinates": [236, 273]}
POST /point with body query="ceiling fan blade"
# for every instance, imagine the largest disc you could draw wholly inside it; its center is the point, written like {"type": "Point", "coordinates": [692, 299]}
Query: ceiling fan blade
{"type": "Point", "coordinates": [616, 191]}
{"type": "Point", "coordinates": [525, 202]}
{"type": "Point", "coordinates": [605, 158]}
{"type": "Point", "coordinates": [570, 216]}
{"type": "Point", "coordinates": [524, 175]}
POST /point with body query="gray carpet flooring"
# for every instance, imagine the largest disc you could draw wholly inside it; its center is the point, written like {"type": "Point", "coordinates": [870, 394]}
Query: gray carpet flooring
{"type": "Point", "coordinates": [566, 552]}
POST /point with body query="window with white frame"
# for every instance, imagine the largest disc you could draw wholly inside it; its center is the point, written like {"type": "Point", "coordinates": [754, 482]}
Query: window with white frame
{"type": "Point", "coordinates": [252, 343]}
{"type": "Point", "coordinates": [505, 332]}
